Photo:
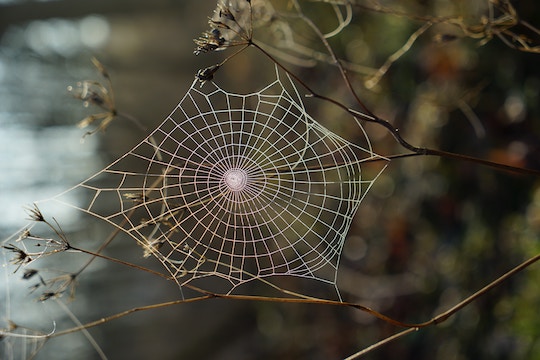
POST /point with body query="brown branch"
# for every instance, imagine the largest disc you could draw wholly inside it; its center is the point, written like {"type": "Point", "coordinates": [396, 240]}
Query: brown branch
{"type": "Point", "coordinates": [411, 327]}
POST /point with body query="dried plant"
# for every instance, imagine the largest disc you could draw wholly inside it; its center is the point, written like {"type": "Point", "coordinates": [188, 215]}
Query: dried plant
{"type": "Point", "coordinates": [192, 209]}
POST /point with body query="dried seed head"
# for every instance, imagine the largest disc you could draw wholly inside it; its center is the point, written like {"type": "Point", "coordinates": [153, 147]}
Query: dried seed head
{"type": "Point", "coordinates": [152, 247]}
{"type": "Point", "coordinates": [21, 257]}
{"type": "Point", "coordinates": [137, 198]}
{"type": "Point", "coordinates": [29, 273]}
{"type": "Point", "coordinates": [49, 295]}
{"type": "Point", "coordinates": [102, 70]}
{"type": "Point", "coordinates": [230, 25]}
{"type": "Point", "coordinates": [95, 93]}
{"type": "Point", "coordinates": [35, 214]}
{"type": "Point", "coordinates": [207, 74]}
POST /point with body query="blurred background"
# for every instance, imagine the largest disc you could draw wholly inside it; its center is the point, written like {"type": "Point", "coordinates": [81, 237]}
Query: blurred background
{"type": "Point", "coordinates": [430, 232]}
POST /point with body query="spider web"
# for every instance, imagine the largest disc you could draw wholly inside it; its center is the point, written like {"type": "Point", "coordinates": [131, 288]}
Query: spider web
{"type": "Point", "coordinates": [240, 187]}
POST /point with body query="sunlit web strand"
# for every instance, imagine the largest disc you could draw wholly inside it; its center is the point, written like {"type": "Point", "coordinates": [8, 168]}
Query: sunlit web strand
{"type": "Point", "coordinates": [236, 186]}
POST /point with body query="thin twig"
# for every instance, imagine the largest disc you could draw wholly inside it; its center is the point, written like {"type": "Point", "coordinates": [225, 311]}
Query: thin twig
{"type": "Point", "coordinates": [411, 327]}
{"type": "Point", "coordinates": [381, 343]}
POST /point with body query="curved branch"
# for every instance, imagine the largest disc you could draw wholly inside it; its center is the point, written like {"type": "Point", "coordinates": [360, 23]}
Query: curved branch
{"type": "Point", "coordinates": [411, 327]}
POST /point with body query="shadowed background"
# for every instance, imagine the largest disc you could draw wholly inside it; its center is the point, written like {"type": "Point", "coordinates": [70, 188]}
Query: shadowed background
{"type": "Point", "coordinates": [431, 232]}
